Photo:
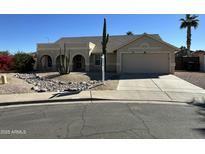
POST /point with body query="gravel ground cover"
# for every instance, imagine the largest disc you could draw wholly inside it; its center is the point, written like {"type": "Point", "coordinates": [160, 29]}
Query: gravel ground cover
{"type": "Point", "coordinates": [14, 85]}
{"type": "Point", "coordinates": [53, 82]}
{"type": "Point", "coordinates": [196, 78]}
{"type": "Point", "coordinates": [42, 84]}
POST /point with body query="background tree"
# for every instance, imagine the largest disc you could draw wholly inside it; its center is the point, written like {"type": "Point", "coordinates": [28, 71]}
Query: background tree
{"type": "Point", "coordinates": [130, 33]}
{"type": "Point", "coordinates": [104, 42]}
{"type": "Point", "coordinates": [6, 61]}
{"type": "Point", "coordinates": [24, 62]}
{"type": "Point", "coordinates": [4, 53]}
{"type": "Point", "coordinates": [182, 52]}
{"type": "Point", "coordinates": [188, 22]}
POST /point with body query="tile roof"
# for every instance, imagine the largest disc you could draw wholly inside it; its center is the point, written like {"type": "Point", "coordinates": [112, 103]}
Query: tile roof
{"type": "Point", "coordinates": [114, 41]}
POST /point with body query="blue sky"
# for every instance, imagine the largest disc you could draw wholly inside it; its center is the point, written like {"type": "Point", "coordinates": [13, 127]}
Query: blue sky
{"type": "Point", "coordinates": [22, 32]}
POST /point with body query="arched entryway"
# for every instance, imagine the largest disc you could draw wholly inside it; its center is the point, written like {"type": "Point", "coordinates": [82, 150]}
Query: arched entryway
{"type": "Point", "coordinates": [78, 63]}
{"type": "Point", "coordinates": [46, 62]}
{"type": "Point", "coordinates": [58, 60]}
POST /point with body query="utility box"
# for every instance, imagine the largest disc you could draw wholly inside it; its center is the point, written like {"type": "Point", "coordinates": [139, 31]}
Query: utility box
{"type": "Point", "coordinates": [4, 79]}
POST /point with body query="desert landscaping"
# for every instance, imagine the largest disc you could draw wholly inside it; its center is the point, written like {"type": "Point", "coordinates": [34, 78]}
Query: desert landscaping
{"type": "Point", "coordinates": [53, 82]}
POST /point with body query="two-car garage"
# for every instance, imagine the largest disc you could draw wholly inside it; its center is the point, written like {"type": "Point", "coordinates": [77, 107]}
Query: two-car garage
{"type": "Point", "coordinates": [146, 54]}
{"type": "Point", "coordinates": [145, 63]}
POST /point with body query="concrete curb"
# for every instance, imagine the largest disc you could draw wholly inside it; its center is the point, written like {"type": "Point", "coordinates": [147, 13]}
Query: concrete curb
{"type": "Point", "coordinates": [97, 96]}
{"type": "Point", "coordinates": [47, 101]}
{"type": "Point", "coordinates": [83, 100]}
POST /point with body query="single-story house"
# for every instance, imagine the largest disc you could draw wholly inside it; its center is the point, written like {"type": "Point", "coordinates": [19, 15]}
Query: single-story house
{"type": "Point", "coordinates": [146, 53]}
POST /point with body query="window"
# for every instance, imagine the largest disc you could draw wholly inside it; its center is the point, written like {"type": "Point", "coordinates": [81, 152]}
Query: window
{"type": "Point", "coordinates": [97, 59]}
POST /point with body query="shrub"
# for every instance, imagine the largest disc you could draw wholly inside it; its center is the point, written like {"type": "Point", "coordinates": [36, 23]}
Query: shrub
{"type": "Point", "coordinates": [23, 62]}
{"type": "Point", "coordinates": [4, 53]}
{"type": "Point", "coordinates": [6, 62]}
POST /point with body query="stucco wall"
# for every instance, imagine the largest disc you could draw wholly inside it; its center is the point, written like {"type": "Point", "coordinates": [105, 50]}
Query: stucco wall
{"type": "Point", "coordinates": [82, 52]}
{"type": "Point", "coordinates": [111, 63]}
{"type": "Point", "coordinates": [54, 51]}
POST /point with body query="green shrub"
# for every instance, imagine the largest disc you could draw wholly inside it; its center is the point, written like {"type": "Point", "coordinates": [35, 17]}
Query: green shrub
{"type": "Point", "coordinates": [4, 53]}
{"type": "Point", "coordinates": [23, 62]}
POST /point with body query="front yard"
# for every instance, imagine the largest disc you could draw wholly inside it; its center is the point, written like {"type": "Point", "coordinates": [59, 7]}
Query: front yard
{"type": "Point", "coordinates": [110, 84]}
{"type": "Point", "coordinates": [196, 78]}
{"type": "Point", "coordinates": [16, 85]}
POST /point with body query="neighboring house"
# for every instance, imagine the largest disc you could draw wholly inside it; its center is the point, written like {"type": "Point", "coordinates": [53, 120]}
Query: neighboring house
{"type": "Point", "coordinates": [201, 55]}
{"type": "Point", "coordinates": [146, 53]}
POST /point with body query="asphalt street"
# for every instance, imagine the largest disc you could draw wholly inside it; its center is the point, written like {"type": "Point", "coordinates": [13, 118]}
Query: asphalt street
{"type": "Point", "coordinates": [103, 120]}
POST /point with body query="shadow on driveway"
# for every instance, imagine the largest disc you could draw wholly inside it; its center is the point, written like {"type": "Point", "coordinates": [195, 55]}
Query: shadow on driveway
{"type": "Point", "coordinates": [140, 76]}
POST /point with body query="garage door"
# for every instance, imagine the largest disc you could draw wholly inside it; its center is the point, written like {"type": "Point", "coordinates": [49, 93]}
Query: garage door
{"type": "Point", "coordinates": [145, 63]}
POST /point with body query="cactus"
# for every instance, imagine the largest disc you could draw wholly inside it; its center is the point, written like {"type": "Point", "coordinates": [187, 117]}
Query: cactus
{"type": "Point", "coordinates": [63, 67]}
{"type": "Point", "coordinates": [105, 39]}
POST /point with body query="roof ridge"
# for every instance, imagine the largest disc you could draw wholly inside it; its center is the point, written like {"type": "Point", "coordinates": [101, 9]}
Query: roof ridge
{"type": "Point", "coordinates": [75, 37]}
{"type": "Point", "coordinates": [109, 35]}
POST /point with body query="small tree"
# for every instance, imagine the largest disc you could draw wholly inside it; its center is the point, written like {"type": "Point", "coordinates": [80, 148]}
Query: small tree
{"type": "Point", "coordinates": [6, 62]}
{"type": "Point", "coordinates": [63, 67]}
{"type": "Point", "coordinates": [24, 62]}
{"type": "Point", "coordinates": [4, 53]}
{"type": "Point", "coordinates": [104, 42]}
{"type": "Point", "coordinates": [130, 33]}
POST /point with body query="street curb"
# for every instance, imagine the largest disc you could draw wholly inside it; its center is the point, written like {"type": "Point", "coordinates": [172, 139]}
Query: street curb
{"type": "Point", "coordinates": [83, 100]}
{"type": "Point", "coordinates": [47, 101]}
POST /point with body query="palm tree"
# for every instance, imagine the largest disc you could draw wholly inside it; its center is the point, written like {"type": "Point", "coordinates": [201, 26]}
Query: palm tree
{"type": "Point", "coordinates": [189, 22]}
{"type": "Point", "coordinates": [130, 33]}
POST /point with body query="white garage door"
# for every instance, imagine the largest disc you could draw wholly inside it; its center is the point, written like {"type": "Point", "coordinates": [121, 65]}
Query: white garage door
{"type": "Point", "coordinates": [145, 63]}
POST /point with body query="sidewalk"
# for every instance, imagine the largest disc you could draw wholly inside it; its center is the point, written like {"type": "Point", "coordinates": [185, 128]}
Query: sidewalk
{"type": "Point", "coordinates": [113, 95]}
{"type": "Point", "coordinates": [26, 98]}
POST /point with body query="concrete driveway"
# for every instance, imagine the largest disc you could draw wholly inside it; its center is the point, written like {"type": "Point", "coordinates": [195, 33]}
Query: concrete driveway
{"type": "Point", "coordinates": [165, 83]}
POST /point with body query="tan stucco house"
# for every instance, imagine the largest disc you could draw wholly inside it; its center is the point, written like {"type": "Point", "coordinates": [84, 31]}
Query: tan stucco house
{"type": "Point", "coordinates": [146, 53]}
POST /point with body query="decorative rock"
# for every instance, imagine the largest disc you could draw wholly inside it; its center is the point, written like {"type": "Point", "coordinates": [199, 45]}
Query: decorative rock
{"type": "Point", "coordinates": [61, 82]}
{"type": "Point", "coordinates": [36, 88]}
{"type": "Point", "coordinates": [43, 85]}
{"type": "Point", "coordinates": [42, 90]}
